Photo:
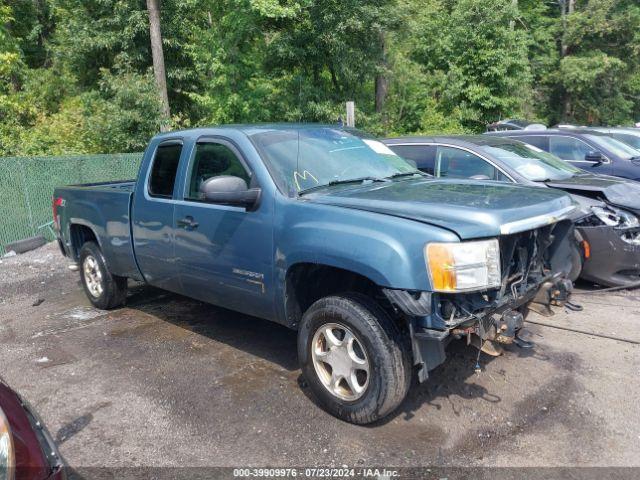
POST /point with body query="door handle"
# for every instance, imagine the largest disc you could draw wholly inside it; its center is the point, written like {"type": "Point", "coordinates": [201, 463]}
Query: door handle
{"type": "Point", "coordinates": [188, 223]}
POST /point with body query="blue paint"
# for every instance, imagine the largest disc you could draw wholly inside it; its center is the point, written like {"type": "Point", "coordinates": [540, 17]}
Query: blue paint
{"type": "Point", "coordinates": [238, 258]}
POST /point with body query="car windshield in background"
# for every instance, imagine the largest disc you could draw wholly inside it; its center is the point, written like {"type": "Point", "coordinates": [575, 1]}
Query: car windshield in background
{"type": "Point", "coordinates": [311, 158]}
{"type": "Point", "coordinates": [531, 162]}
{"type": "Point", "coordinates": [614, 146]}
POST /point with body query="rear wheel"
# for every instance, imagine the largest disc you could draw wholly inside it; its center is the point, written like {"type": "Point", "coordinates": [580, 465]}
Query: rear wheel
{"type": "Point", "coordinates": [104, 290]}
{"type": "Point", "coordinates": [354, 358]}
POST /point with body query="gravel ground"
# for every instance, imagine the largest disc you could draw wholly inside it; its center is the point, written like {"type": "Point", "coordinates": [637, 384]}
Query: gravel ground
{"type": "Point", "coordinates": [168, 381]}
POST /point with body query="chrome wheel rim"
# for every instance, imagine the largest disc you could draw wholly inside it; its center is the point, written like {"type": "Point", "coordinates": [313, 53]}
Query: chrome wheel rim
{"type": "Point", "coordinates": [92, 276]}
{"type": "Point", "coordinates": [340, 361]}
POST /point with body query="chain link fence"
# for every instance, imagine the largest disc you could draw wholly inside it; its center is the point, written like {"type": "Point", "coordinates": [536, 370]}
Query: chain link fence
{"type": "Point", "coordinates": [27, 183]}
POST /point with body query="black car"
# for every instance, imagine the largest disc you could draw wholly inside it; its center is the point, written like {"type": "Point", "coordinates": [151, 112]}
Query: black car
{"type": "Point", "coordinates": [608, 227]}
{"type": "Point", "coordinates": [592, 151]}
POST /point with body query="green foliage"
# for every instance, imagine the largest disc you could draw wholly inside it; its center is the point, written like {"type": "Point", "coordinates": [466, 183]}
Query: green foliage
{"type": "Point", "coordinates": [589, 79]}
{"type": "Point", "coordinates": [119, 117]}
{"type": "Point", "coordinates": [75, 75]}
{"type": "Point", "coordinates": [593, 81]}
{"type": "Point", "coordinates": [482, 62]}
{"type": "Point", "coordinates": [126, 113]}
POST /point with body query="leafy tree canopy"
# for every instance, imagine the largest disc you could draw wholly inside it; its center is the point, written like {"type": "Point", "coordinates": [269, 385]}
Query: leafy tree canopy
{"type": "Point", "coordinates": [76, 75]}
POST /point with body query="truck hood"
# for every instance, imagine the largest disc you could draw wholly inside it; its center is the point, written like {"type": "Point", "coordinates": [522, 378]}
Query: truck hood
{"type": "Point", "coordinates": [617, 191]}
{"type": "Point", "coordinates": [470, 209]}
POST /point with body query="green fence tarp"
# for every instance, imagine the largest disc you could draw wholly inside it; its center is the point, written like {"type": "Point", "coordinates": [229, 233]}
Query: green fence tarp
{"type": "Point", "coordinates": [27, 183]}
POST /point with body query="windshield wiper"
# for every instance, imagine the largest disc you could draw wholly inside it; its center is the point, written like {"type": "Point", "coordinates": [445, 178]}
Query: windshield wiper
{"type": "Point", "coordinates": [406, 174]}
{"type": "Point", "coordinates": [342, 182]}
{"type": "Point", "coordinates": [551, 180]}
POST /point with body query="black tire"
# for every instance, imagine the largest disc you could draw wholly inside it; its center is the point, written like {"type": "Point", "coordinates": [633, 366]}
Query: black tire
{"type": "Point", "coordinates": [113, 291]}
{"type": "Point", "coordinates": [26, 245]}
{"type": "Point", "coordinates": [385, 348]}
{"type": "Point", "coordinates": [577, 261]}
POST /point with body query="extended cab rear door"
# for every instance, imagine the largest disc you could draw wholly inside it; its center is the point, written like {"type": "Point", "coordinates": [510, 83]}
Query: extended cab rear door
{"type": "Point", "coordinates": [153, 215]}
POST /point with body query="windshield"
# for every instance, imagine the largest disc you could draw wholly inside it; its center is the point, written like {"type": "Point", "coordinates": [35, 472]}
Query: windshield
{"type": "Point", "coordinates": [531, 162]}
{"type": "Point", "coordinates": [309, 158]}
{"type": "Point", "coordinates": [614, 146]}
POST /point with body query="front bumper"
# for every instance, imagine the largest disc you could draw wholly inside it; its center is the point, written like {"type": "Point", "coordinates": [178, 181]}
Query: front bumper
{"type": "Point", "coordinates": [612, 262]}
{"type": "Point", "coordinates": [496, 323]}
{"type": "Point", "coordinates": [534, 264]}
{"type": "Point", "coordinates": [428, 345]}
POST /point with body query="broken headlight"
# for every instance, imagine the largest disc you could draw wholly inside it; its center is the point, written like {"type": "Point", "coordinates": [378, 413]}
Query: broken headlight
{"type": "Point", "coordinates": [615, 217]}
{"type": "Point", "coordinates": [632, 238]}
{"type": "Point", "coordinates": [463, 267]}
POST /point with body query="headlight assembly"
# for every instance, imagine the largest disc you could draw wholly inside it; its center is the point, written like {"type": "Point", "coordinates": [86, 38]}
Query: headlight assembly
{"type": "Point", "coordinates": [465, 266]}
{"type": "Point", "coordinates": [615, 217]}
{"type": "Point", "coordinates": [7, 454]}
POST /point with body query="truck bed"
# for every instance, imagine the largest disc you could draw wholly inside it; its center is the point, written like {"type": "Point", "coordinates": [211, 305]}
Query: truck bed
{"type": "Point", "coordinates": [105, 209]}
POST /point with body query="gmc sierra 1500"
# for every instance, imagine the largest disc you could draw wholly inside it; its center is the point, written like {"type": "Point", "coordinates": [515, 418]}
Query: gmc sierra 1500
{"type": "Point", "coordinates": [323, 229]}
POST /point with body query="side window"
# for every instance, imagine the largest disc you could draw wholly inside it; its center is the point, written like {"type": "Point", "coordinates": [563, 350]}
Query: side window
{"type": "Point", "coordinates": [539, 141]}
{"type": "Point", "coordinates": [213, 160]}
{"type": "Point", "coordinates": [164, 169]}
{"type": "Point", "coordinates": [502, 177]}
{"type": "Point", "coordinates": [456, 163]}
{"type": "Point", "coordinates": [422, 155]}
{"type": "Point", "coordinates": [629, 139]}
{"type": "Point", "coordinates": [568, 148]}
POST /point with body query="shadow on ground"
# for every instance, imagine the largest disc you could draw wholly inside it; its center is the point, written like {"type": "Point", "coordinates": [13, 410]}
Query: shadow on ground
{"type": "Point", "coordinates": [261, 338]}
{"type": "Point", "coordinates": [277, 344]}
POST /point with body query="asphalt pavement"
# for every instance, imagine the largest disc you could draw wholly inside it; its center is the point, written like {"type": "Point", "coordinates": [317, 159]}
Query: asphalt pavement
{"type": "Point", "coordinates": [169, 381]}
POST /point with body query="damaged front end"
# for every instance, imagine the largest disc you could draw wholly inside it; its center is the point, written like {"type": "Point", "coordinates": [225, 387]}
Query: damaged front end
{"type": "Point", "coordinates": [534, 269]}
{"type": "Point", "coordinates": [610, 239]}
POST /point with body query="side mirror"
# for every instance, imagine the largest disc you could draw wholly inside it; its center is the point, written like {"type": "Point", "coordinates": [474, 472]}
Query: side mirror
{"type": "Point", "coordinates": [594, 157]}
{"type": "Point", "coordinates": [479, 177]}
{"type": "Point", "coordinates": [229, 190]}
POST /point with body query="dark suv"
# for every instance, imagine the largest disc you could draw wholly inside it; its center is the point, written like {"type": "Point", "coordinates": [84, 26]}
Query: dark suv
{"type": "Point", "coordinates": [628, 135]}
{"type": "Point", "coordinates": [593, 151]}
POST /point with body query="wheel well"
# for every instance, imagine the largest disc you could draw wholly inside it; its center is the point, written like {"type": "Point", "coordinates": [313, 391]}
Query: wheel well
{"type": "Point", "coordinates": [309, 282]}
{"type": "Point", "coordinates": [80, 234]}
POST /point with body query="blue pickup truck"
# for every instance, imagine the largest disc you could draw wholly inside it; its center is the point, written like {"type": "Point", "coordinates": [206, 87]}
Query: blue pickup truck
{"type": "Point", "coordinates": [377, 265]}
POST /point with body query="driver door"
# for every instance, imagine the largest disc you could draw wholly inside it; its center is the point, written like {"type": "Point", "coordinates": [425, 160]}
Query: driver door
{"type": "Point", "coordinates": [224, 253]}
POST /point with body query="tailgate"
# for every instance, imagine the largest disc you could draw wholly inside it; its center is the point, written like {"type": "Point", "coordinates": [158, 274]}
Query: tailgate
{"type": "Point", "coordinates": [101, 213]}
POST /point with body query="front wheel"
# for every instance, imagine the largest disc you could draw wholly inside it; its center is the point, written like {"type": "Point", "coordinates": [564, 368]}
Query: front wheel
{"type": "Point", "coordinates": [577, 262]}
{"type": "Point", "coordinates": [354, 358]}
{"type": "Point", "coordinates": [104, 290]}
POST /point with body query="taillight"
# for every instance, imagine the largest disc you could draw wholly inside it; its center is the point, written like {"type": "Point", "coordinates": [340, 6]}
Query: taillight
{"type": "Point", "coordinates": [57, 202]}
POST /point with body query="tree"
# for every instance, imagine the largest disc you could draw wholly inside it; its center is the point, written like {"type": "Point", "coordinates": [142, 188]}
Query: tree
{"type": "Point", "coordinates": [382, 82]}
{"type": "Point", "coordinates": [598, 58]}
{"type": "Point", "coordinates": [158, 57]}
{"type": "Point", "coordinates": [480, 61]}
{"type": "Point", "coordinates": [98, 74]}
